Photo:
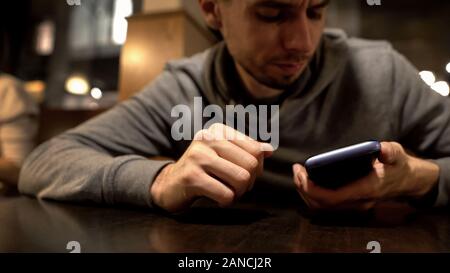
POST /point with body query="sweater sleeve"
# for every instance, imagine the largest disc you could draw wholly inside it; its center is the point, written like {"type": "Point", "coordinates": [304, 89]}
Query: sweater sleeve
{"type": "Point", "coordinates": [106, 160]}
{"type": "Point", "coordinates": [423, 121]}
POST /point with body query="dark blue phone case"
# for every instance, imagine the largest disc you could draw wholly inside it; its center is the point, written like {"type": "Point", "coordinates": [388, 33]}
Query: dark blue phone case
{"type": "Point", "coordinates": [339, 167]}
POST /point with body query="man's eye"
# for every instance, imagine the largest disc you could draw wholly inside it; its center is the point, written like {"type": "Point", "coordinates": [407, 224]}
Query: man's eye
{"type": "Point", "coordinates": [269, 14]}
{"type": "Point", "coordinates": [314, 14]}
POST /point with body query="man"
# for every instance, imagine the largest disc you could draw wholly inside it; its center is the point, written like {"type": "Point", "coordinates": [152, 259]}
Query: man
{"type": "Point", "coordinates": [18, 128]}
{"type": "Point", "coordinates": [332, 92]}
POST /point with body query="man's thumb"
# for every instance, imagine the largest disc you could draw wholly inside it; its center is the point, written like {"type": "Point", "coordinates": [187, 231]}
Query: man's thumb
{"type": "Point", "coordinates": [390, 153]}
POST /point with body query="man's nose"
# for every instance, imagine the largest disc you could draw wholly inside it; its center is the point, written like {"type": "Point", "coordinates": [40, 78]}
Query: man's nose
{"type": "Point", "coordinates": [296, 35]}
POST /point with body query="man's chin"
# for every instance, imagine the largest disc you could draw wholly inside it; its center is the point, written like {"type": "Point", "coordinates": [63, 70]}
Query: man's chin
{"type": "Point", "coordinates": [275, 78]}
{"type": "Point", "coordinates": [282, 82]}
{"type": "Point", "coordinates": [281, 79]}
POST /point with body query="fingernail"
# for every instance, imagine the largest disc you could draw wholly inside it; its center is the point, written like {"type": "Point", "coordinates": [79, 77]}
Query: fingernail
{"type": "Point", "coordinates": [296, 169]}
{"type": "Point", "coordinates": [266, 147]}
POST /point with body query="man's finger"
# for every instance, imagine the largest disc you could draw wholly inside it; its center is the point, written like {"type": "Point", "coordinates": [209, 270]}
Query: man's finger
{"type": "Point", "coordinates": [366, 188]}
{"type": "Point", "coordinates": [320, 195]}
{"type": "Point", "coordinates": [309, 202]}
{"type": "Point", "coordinates": [236, 155]}
{"type": "Point", "coordinates": [295, 171]}
{"type": "Point", "coordinates": [215, 190]}
{"type": "Point", "coordinates": [238, 178]}
{"type": "Point", "coordinates": [361, 205]}
{"type": "Point", "coordinates": [355, 196]}
{"type": "Point", "coordinates": [255, 148]}
{"type": "Point", "coordinates": [298, 183]}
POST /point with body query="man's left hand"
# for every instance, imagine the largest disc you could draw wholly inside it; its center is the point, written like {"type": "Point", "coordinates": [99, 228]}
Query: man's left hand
{"type": "Point", "coordinates": [395, 175]}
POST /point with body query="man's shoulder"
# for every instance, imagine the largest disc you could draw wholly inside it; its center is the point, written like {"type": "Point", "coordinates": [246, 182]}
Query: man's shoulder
{"type": "Point", "coordinates": [360, 49]}
{"type": "Point", "coordinates": [195, 64]}
{"type": "Point", "coordinates": [366, 56]}
{"type": "Point", "coordinates": [355, 44]}
{"type": "Point", "coordinates": [360, 44]}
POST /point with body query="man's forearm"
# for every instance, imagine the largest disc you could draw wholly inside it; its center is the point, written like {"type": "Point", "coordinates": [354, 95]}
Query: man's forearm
{"type": "Point", "coordinates": [9, 172]}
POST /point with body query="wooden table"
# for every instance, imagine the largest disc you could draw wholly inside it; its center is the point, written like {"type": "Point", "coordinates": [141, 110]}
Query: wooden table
{"type": "Point", "coordinates": [29, 225]}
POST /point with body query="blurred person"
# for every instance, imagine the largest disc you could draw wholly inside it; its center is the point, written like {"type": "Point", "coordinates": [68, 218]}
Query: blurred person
{"type": "Point", "coordinates": [332, 90]}
{"type": "Point", "coordinates": [18, 128]}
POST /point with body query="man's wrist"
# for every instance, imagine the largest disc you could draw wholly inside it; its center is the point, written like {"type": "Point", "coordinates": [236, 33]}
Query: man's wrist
{"type": "Point", "coordinates": [155, 187]}
{"type": "Point", "coordinates": [425, 180]}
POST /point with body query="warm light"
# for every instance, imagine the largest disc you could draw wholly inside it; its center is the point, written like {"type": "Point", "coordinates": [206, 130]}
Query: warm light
{"type": "Point", "coordinates": [122, 9]}
{"type": "Point", "coordinates": [134, 55]}
{"type": "Point", "coordinates": [448, 68]}
{"type": "Point", "coordinates": [36, 89]}
{"type": "Point", "coordinates": [442, 88]}
{"type": "Point", "coordinates": [45, 40]}
{"type": "Point", "coordinates": [35, 86]}
{"type": "Point", "coordinates": [428, 77]}
{"type": "Point", "coordinates": [96, 93]}
{"type": "Point", "coordinates": [77, 85]}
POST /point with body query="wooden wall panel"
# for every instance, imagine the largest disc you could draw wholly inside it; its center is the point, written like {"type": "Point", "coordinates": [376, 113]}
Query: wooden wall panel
{"type": "Point", "coordinates": [152, 40]}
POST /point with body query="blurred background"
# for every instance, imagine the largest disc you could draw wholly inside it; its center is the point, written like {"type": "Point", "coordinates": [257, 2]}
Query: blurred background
{"type": "Point", "coordinates": [78, 58]}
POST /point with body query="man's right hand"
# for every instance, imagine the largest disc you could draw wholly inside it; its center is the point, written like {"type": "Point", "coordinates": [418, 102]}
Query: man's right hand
{"type": "Point", "coordinates": [221, 164]}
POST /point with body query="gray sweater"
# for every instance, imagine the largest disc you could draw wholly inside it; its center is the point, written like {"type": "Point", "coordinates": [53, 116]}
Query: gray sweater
{"type": "Point", "coordinates": [353, 90]}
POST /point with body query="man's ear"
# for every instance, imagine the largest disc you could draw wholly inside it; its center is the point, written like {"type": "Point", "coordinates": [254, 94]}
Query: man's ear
{"type": "Point", "coordinates": [211, 12]}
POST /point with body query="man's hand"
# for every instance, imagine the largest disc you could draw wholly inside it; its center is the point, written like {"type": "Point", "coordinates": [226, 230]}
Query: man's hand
{"type": "Point", "coordinates": [395, 175]}
{"type": "Point", "coordinates": [221, 164]}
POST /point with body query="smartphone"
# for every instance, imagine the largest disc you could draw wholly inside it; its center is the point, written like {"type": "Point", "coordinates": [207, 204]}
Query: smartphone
{"type": "Point", "coordinates": [339, 167]}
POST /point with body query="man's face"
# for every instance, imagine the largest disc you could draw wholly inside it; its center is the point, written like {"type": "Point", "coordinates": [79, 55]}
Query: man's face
{"type": "Point", "coordinates": [273, 40]}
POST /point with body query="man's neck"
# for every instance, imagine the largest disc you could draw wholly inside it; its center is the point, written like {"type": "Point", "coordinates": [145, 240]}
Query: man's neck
{"type": "Point", "coordinates": [254, 88]}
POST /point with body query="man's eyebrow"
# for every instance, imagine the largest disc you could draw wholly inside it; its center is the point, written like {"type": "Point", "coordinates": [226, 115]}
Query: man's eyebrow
{"type": "Point", "coordinates": [320, 5]}
{"type": "Point", "coordinates": [273, 4]}
{"type": "Point", "coordinates": [280, 4]}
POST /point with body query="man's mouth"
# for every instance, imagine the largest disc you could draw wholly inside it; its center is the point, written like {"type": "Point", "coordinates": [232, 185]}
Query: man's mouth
{"type": "Point", "coordinates": [290, 68]}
